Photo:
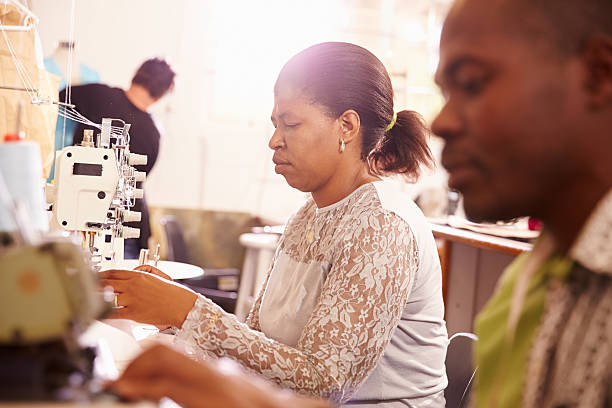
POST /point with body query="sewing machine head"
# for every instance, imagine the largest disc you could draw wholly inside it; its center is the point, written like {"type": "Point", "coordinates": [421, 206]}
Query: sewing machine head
{"type": "Point", "coordinates": [95, 187]}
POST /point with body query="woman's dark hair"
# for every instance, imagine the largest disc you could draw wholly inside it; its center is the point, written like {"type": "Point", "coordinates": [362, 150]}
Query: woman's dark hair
{"type": "Point", "coordinates": [341, 76]}
{"type": "Point", "coordinates": [156, 76]}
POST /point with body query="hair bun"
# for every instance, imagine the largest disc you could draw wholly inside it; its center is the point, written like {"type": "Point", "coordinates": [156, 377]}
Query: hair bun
{"type": "Point", "coordinates": [403, 149]}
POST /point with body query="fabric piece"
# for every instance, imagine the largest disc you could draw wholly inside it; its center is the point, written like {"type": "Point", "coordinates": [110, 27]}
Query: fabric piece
{"type": "Point", "coordinates": [87, 75]}
{"type": "Point", "coordinates": [37, 121]}
{"type": "Point", "coordinates": [351, 307]}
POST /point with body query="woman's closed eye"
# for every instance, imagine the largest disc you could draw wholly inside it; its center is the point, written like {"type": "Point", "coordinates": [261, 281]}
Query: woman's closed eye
{"type": "Point", "coordinates": [288, 125]}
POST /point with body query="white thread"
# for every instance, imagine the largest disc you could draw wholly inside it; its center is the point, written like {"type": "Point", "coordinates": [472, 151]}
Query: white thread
{"type": "Point", "coordinates": [21, 71]}
{"type": "Point", "coordinates": [68, 94]}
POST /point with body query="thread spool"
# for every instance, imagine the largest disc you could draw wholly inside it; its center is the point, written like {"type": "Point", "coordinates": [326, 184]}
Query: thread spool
{"type": "Point", "coordinates": [21, 168]}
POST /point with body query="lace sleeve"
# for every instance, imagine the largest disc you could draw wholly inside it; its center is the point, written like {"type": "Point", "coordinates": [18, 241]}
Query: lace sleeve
{"type": "Point", "coordinates": [359, 307]}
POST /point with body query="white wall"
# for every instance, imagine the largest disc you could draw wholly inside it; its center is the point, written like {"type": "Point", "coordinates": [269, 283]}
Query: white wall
{"type": "Point", "coordinates": [216, 123]}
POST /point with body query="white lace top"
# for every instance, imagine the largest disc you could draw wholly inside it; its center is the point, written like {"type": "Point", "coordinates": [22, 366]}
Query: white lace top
{"type": "Point", "coordinates": [351, 308]}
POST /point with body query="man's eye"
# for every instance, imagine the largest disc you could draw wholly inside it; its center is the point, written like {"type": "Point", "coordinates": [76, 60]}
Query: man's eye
{"type": "Point", "coordinates": [472, 83]}
{"type": "Point", "coordinates": [291, 125]}
{"type": "Point", "coordinates": [473, 87]}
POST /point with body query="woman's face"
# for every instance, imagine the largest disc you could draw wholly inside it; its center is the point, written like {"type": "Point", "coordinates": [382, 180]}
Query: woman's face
{"type": "Point", "coordinates": [305, 142]}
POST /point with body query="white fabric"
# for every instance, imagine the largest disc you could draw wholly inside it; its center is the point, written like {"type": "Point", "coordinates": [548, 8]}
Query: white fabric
{"type": "Point", "coordinates": [343, 278]}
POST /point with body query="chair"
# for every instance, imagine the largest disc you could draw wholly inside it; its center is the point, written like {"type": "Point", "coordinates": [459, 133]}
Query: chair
{"type": "Point", "coordinates": [459, 369]}
{"type": "Point", "coordinates": [177, 248]}
{"type": "Point", "coordinates": [211, 284]}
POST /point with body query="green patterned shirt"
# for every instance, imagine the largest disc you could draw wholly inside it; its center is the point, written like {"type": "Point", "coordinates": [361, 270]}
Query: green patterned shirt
{"type": "Point", "coordinates": [502, 365]}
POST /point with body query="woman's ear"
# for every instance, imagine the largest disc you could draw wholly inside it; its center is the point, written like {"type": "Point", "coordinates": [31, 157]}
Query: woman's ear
{"type": "Point", "coordinates": [350, 125]}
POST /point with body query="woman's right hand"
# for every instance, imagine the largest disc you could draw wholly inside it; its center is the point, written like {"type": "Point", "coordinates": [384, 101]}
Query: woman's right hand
{"type": "Point", "coordinates": [148, 298]}
{"type": "Point", "coordinates": [162, 372]}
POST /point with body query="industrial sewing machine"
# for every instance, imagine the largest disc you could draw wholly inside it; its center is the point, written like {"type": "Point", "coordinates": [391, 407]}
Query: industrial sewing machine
{"type": "Point", "coordinates": [48, 297]}
{"type": "Point", "coordinates": [49, 292]}
{"type": "Point", "coordinates": [95, 187]}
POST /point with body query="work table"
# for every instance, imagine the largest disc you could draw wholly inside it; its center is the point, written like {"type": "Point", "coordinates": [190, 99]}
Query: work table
{"type": "Point", "coordinates": [471, 263]}
{"type": "Point", "coordinates": [478, 240]}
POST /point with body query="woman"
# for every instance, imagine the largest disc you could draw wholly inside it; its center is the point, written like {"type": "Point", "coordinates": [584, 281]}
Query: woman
{"type": "Point", "coordinates": [351, 309]}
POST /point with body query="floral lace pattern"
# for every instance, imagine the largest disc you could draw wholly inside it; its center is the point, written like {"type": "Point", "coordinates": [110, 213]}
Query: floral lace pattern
{"type": "Point", "coordinates": [372, 258]}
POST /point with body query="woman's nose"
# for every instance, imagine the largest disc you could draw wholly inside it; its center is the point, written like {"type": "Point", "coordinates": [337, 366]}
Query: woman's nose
{"type": "Point", "coordinates": [276, 141]}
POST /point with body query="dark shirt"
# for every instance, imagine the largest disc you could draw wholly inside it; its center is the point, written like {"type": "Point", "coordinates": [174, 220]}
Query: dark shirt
{"type": "Point", "coordinates": [97, 101]}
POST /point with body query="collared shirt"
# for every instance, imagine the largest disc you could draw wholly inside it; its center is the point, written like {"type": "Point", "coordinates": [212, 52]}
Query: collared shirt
{"type": "Point", "coordinates": [593, 248]}
{"type": "Point", "coordinates": [503, 363]}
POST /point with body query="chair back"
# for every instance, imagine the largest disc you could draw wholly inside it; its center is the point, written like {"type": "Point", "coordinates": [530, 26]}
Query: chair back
{"type": "Point", "coordinates": [459, 369]}
{"type": "Point", "coordinates": [177, 248]}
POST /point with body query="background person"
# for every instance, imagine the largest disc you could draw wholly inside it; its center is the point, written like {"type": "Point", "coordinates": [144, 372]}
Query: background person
{"type": "Point", "coordinates": [153, 79]}
{"type": "Point", "coordinates": [351, 309]}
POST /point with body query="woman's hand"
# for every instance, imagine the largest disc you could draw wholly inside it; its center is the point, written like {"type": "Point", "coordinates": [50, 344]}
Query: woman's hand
{"type": "Point", "coordinates": [162, 372]}
{"type": "Point", "coordinates": [148, 298]}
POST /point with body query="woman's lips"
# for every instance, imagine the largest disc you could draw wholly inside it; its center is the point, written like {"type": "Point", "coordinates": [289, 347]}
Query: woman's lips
{"type": "Point", "coordinates": [280, 165]}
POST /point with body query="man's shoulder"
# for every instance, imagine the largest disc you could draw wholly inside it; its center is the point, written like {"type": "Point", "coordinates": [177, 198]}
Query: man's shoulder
{"type": "Point", "coordinates": [93, 85]}
{"type": "Point", "coordinates": [96, 88]}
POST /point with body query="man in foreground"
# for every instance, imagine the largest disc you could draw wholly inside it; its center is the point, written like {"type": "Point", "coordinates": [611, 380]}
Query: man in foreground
{"type": "Point", "coordinates": [527, 124]}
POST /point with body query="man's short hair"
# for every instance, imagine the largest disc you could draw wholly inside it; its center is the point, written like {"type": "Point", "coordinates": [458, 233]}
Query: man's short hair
{"type": "Point", "coordinates": [155, 75]}
{"type": "Point", "coordinates": [568, 23]}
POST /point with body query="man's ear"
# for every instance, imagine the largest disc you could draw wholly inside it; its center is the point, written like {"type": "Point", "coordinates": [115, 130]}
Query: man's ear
{"type": "Point", "coordinates": [597, 58]}
{"type": "Point", "coordinates": [350, 124]}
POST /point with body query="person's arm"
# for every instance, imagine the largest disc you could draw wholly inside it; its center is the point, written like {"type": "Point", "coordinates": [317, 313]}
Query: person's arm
{"type": "Point", "coordinates": [359, 307]}
{"type": "Point", "coordinates": [162, 372]}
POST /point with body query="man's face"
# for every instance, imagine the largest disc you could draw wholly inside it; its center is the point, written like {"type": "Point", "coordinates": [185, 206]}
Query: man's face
{"type": "Point", "coordinates": [508, 120]}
